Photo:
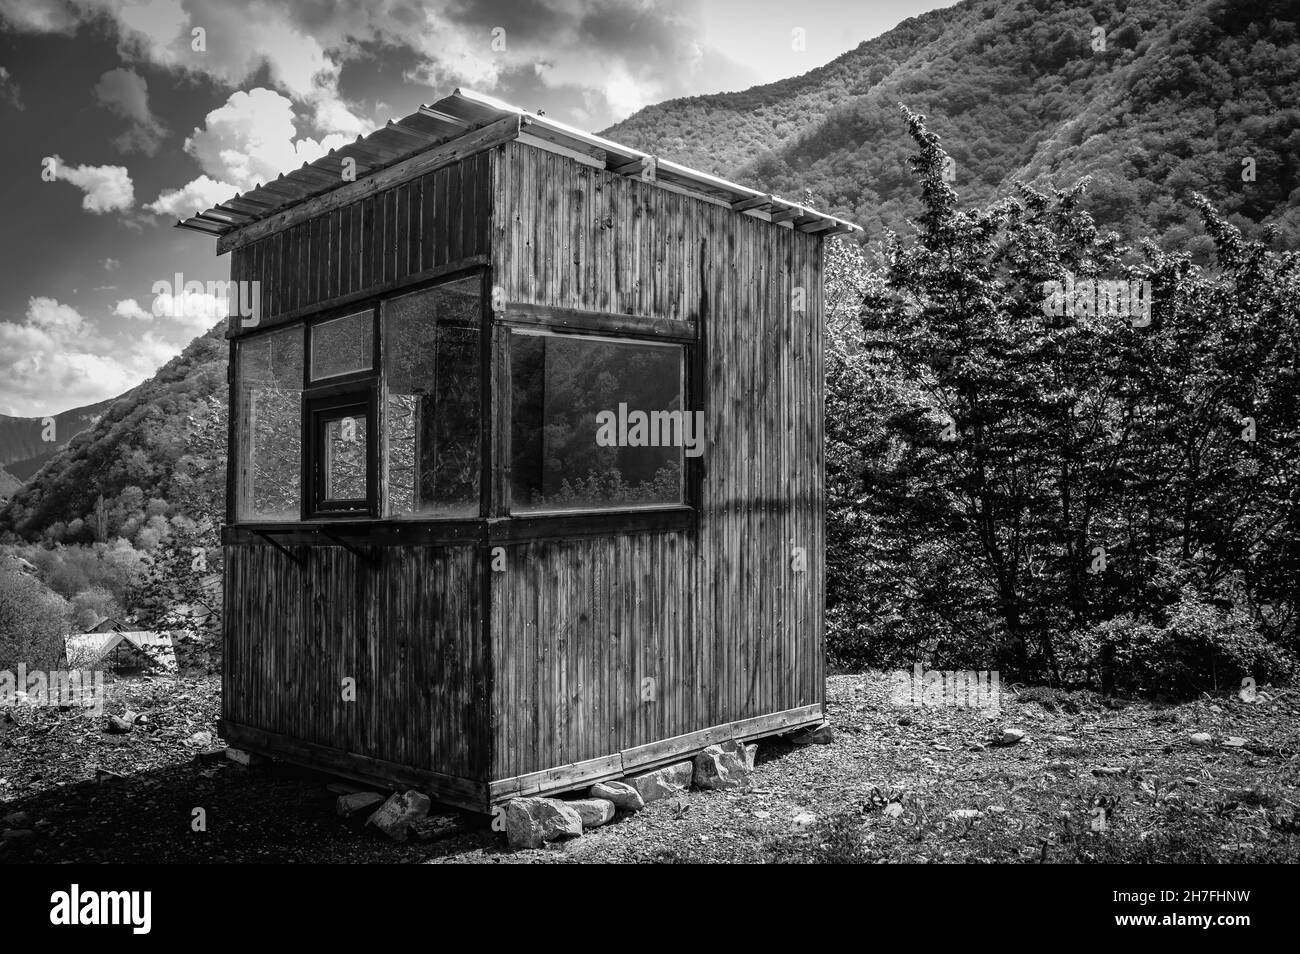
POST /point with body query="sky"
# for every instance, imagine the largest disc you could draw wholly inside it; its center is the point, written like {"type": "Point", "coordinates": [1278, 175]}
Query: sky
{"type": "Point", "coordinates": [120, 116]}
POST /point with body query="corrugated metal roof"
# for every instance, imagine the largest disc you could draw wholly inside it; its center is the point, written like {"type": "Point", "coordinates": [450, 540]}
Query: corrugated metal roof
{"type": "Point", "coordinates": [89, 649]}
{"type": "Point", "coordinates": [460, 114]}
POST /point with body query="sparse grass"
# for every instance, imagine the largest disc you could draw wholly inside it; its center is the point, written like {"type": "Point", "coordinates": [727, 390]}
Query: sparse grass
{"type": "Point", "coordinates": [1088, 784]}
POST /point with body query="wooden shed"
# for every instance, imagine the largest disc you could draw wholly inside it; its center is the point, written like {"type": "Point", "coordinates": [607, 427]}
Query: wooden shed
{"type": "Point", "coordinates": [526, 472]}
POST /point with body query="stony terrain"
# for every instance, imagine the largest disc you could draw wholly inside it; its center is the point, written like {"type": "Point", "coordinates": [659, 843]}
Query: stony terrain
{"type": "Point", "coordinates": [1078, 778]}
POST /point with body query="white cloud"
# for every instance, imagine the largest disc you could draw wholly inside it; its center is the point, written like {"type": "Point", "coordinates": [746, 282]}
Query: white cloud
{"type": "Point", "coordinates": [195, 196]}
{"type": "Point", "coordinates": [48, 315]}
{"type": "Point", "coordinates": [54, 359]}
{"type": "Point", "coordinates": [9, 89]}
{"type": "Point", "coordinates": [40, 16]}
{"type": "Point", "coordinates": [125, 93]}
{"type": "Point", "coordinates": [130, 308]}
{"type": "Point", "coordinates": [156, 25]}
{"type": "Point", "coordinates": [615, 56]}
{"type": "Point", "coordinates": [249, 139]}
{"type": "Point", "coordinates": [107, 188]}
{"type": "Point", "coordinates": [197, 311]}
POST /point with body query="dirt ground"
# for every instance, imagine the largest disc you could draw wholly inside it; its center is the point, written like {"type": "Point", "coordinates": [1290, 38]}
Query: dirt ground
{"type": "Point", "coordinates": [1091, 780]}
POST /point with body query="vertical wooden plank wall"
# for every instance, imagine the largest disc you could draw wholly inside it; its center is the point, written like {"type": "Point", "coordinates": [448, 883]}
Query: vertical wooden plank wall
{"type": "Point", "coordinates": [408, 630]}
{"type": "Point", "coordinates": [390, 238]}
{"type": "Point", "coordinates": [719, 618]}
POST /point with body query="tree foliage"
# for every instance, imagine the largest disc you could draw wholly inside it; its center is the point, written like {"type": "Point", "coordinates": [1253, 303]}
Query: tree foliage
{"type": "Point", "coordinates": [1006, 482]}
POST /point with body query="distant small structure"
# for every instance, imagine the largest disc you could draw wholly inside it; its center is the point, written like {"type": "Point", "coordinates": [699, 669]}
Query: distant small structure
{"type": "Point", "coordinates": [106, 624]}
{"type": "Point", "coordinates": [24, 566]}
{"type": "Point", "coordinates": [125, 653]}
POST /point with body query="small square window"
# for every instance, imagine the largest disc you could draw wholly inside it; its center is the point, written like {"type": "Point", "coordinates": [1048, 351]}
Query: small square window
{"type": "Point", "coordinates": [343, 346]}
{"type": "Point", "coordinates": [341, 457]}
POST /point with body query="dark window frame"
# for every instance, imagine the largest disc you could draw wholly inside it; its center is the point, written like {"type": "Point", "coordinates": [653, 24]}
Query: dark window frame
{"type": "Point", "coordinates": [598, 327]}
{"type": "Point", "coordinates": [318, 410]}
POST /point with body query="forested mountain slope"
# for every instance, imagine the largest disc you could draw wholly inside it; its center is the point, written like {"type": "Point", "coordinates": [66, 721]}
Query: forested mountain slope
{"type": "Point", "coordinates": [1183, 97]}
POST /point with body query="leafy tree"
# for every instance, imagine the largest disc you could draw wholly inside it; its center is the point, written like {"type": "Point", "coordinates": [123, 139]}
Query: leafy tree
{"type": "Point", "coordinates": [33, 621]}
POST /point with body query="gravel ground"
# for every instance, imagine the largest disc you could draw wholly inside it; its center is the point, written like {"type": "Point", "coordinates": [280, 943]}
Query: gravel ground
{"type": "Point", "coordinates": [1091, 780]}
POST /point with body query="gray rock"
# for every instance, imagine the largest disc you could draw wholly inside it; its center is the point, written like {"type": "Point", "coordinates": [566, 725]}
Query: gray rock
{"type": "Point", "coordinates": [531, 822]}
{"type": "Point", "coordinates": [721, 766]}
{"type": "Point", "coordinates": [436, 827]}
{"type": "Point", "coordinates": [624, 796]}
{"type": "Point", "coordinates": [662, 782]}
{"type": "Point", "coordinates": [1202, 738]}
{"type": "Point", "coordinates": [395, 817]}
{"type": "Point", "coordinates": [345, 788]}
{"type": "Point", "coordinates": [1011, 736]}
{"type": "Point", "coordinates": [118, 726]}
{"type": "Point", "coordinates": [211, 756]}
{"type": "Point", "coordinates": [751, 756]}
{"type": "Point", "coordinates": [822, 734]}
{"type": "Point", "coordinates": [203, 738]}
{"type": "Point", "coordinates": [16, 820]}
{"type": "Point", "coordinates": [355, 802]}
{"type": "Point", "coordinates": [594, 812]}
{"type": "Point", "coordinates": [241, 757]}
{"type": "Point", "coordinates": [802, 823]}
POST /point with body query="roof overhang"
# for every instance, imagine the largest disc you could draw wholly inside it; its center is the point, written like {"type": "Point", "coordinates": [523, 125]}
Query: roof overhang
{"type": "Point", "coordinates": [459, 125]}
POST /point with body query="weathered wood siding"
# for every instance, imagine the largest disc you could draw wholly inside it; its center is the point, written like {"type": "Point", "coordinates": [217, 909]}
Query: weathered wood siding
{"type": "Point", "coordinates": [579, 625]}
{"type": "Point", "coordinates": [571, 236]}
{"type": "Point", "coordinates": [408, 629]}
{"type": "Point", "coordinates": [717, 616]}
{"type": "Point", "coordinates": [395, 236]}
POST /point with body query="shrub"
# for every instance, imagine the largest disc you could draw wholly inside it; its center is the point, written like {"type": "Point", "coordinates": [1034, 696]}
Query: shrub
{"type": "Point", "coordinates": [1201, 647]}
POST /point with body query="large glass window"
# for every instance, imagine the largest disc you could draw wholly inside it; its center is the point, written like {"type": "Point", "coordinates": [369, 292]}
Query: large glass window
{"type": "Point", "coordinates": [269, 426]}
{"type": "Point", "coordinates": [597, 423]}
{"type": "Point", "coordinates": [433, 414]}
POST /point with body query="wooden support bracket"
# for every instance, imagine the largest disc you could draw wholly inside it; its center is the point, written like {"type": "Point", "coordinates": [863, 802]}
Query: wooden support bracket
{"type": "Point", "coordinates": [271, 540]}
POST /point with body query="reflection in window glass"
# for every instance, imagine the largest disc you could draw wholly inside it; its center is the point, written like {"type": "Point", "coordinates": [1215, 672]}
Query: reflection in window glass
{"type": "Point", "coordinates": [343, 460]}
{"type": "Point", "coordinates": [269, 426]}
{"type": "Point", "coordinates": [342, 346]}
{"type": "Point", "coordinates": [431, 356]}
{"type": "Point", "coordinates": [563, 391]}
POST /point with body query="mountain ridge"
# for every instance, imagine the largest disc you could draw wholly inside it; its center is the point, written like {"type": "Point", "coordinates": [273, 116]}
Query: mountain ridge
{"type": "Point", "coordinates": [1172, 104]}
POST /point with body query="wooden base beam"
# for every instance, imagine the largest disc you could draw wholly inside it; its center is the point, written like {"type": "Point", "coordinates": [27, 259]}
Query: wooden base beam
{"type": "Point", "coordinates": [645, 757]}
{"type": "Point", "coordinates": [450, 789]}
